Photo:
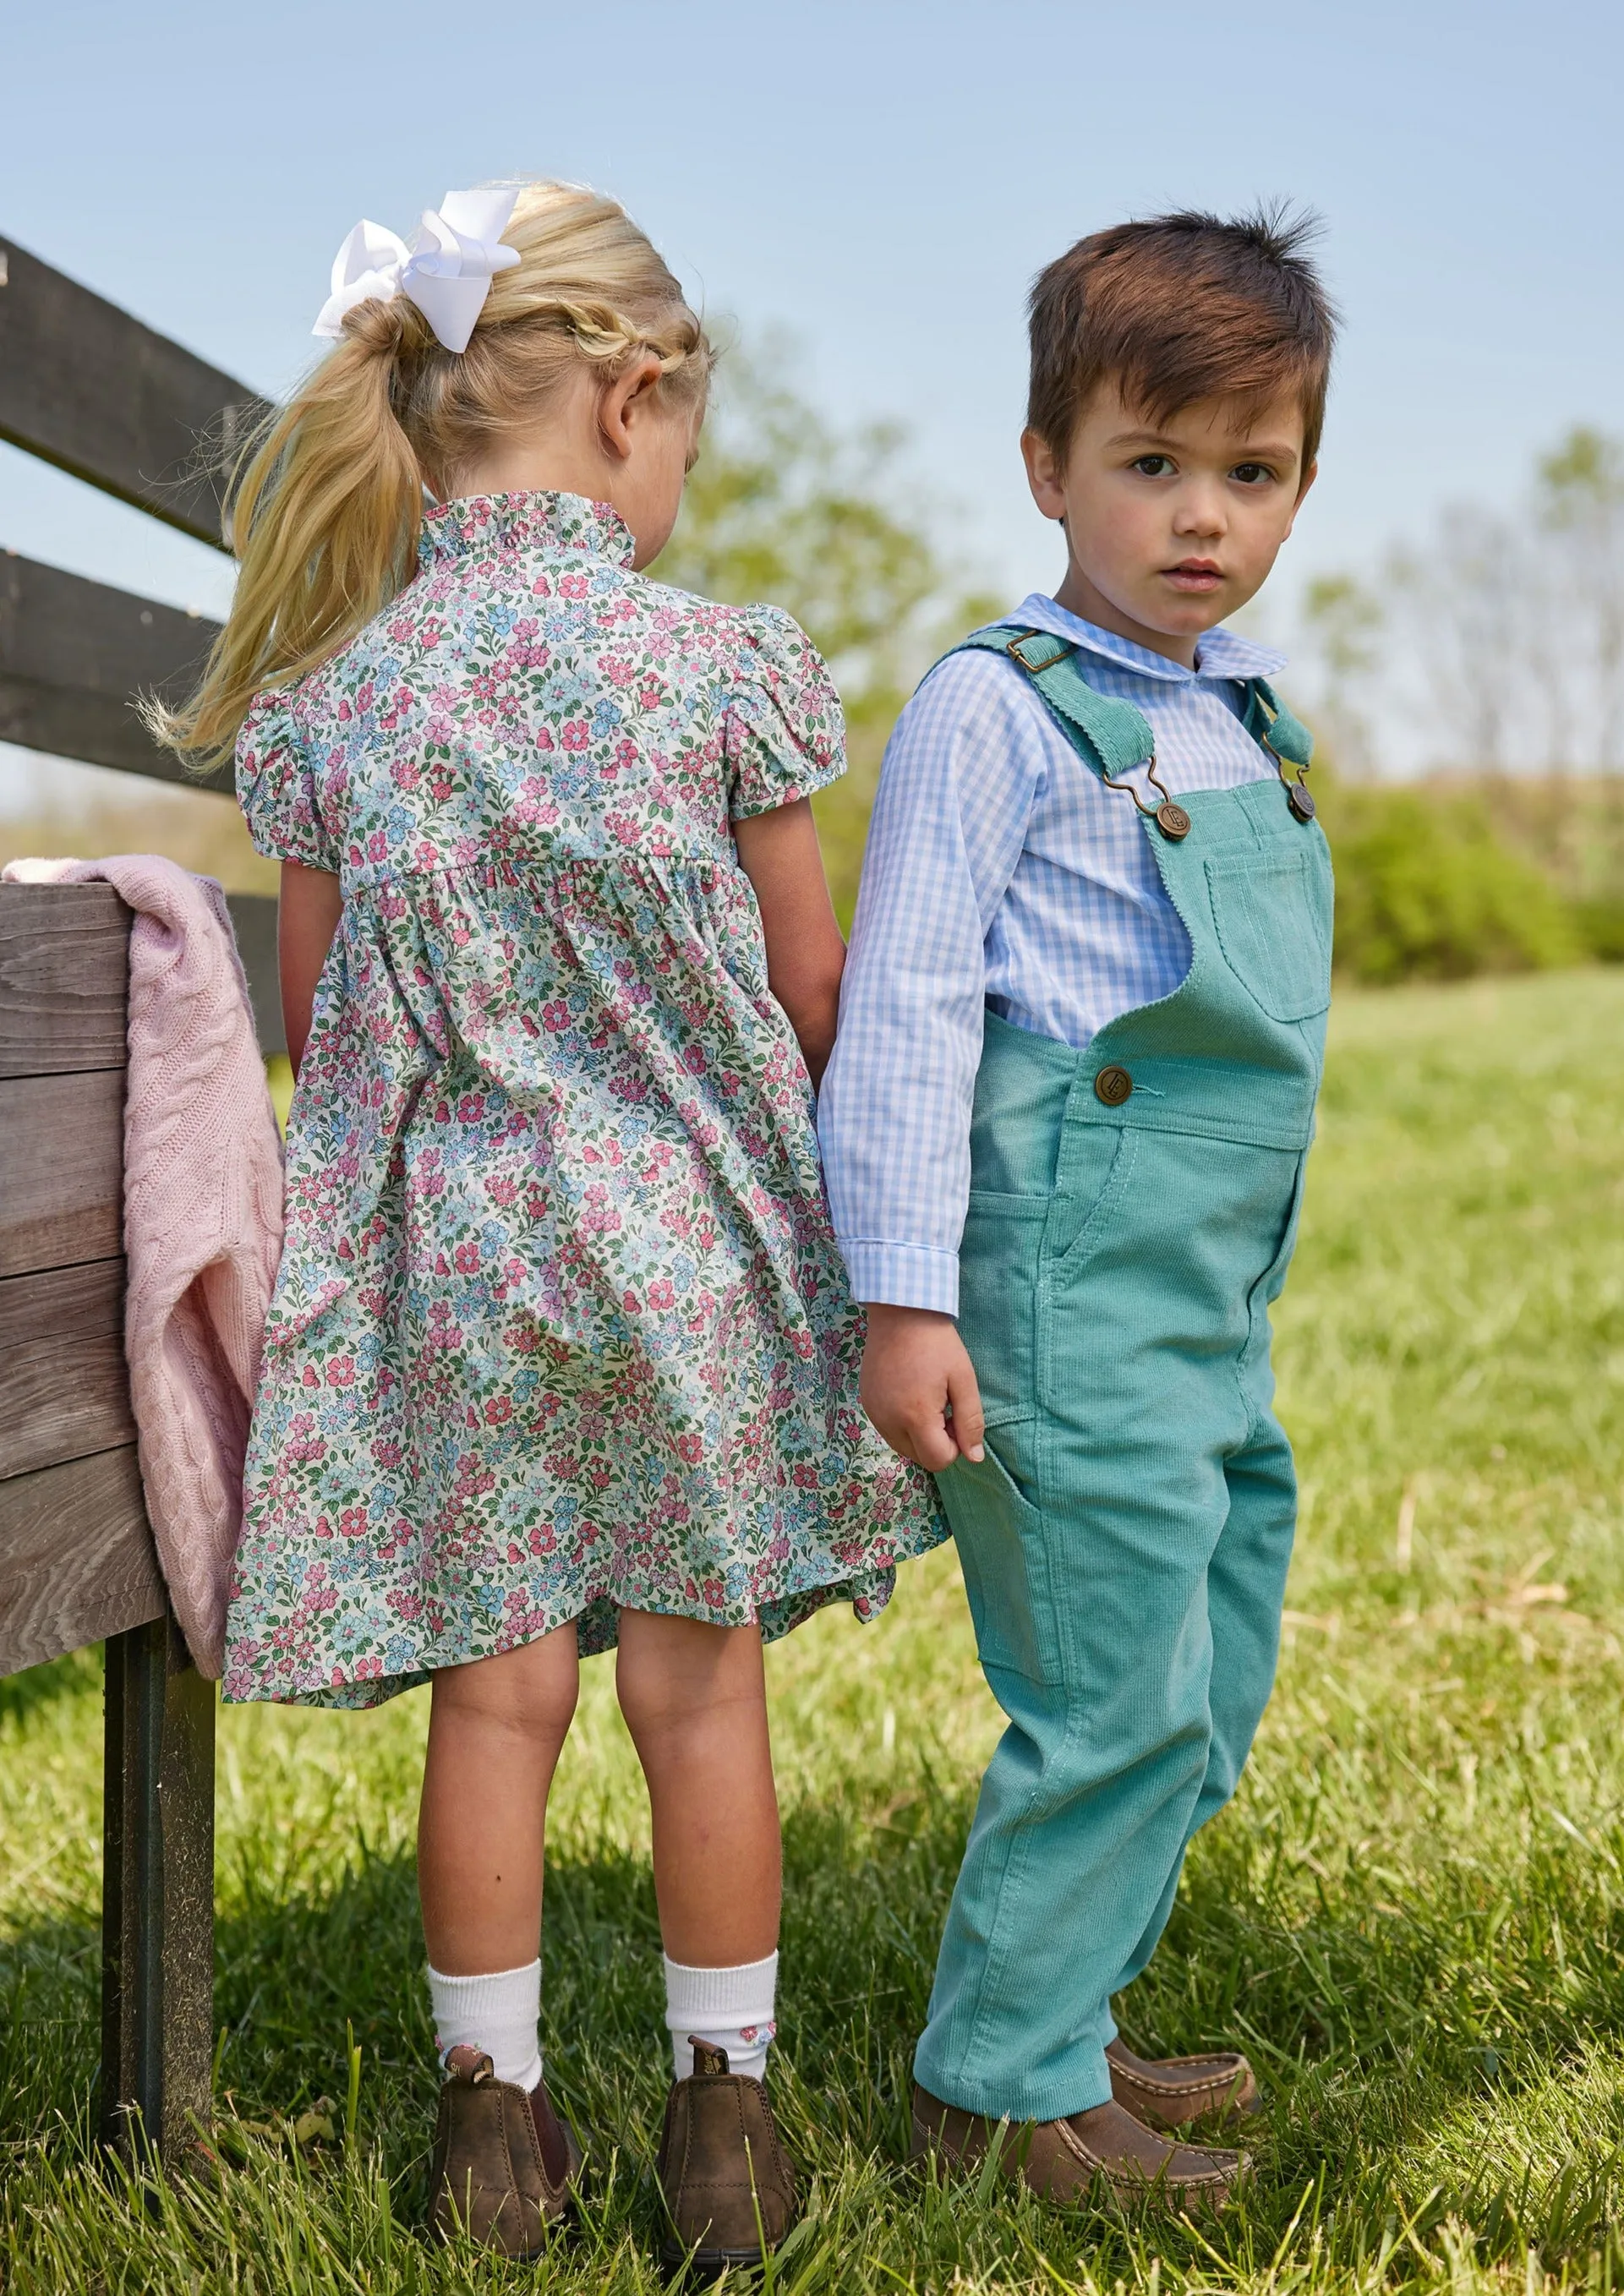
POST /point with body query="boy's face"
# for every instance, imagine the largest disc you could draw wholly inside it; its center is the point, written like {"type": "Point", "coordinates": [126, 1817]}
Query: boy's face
{"type": "Point", "coordinates": [1170, 525]}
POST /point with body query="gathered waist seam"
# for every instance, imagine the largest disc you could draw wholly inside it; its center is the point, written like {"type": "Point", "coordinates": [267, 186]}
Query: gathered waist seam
{"type": "Point", "coordinates": [515, 868]}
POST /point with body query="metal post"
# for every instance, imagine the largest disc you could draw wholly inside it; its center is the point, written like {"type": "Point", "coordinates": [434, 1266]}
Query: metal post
{"type": "Point", "coordinates": [156, 1891]}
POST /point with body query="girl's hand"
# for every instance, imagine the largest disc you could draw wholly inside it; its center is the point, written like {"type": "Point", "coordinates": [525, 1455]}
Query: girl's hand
{"type": "Point", "coordinates": [307, 918]}
{"type": "Point", "coordinates": [919, 1386]}
{"type": "Point", "coordinates": [778, 852]}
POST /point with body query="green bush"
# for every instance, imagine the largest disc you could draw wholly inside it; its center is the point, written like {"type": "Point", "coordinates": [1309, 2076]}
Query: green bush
{"type": "Point", "coordinates": [1426, 891]}
{"type": "Point", "coordinates": [1600, 921]}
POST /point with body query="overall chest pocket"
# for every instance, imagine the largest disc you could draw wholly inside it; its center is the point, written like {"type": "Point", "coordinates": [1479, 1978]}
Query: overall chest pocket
{"type": "Point", "coordinates": [1272, 921]}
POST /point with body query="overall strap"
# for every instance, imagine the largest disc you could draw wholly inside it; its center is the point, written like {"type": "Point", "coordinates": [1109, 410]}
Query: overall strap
{"type": "Point", "coordinates": [1110, 737]}
{"type": "Point", "coordinates": [1287, 740]}
{"type": "Point", "coordinates": [1267, 720]}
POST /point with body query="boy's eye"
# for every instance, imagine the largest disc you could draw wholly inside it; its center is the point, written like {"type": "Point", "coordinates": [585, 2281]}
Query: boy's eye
{"type": "Point", "coordinates": [1153, 466]}
{"type": "Point", "coordinates": [1252, 475]}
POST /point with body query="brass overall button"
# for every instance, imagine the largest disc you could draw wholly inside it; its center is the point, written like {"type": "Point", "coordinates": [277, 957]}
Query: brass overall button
{"type": "Point", "coordinates": [1172, 820]}
{"type": "Point", "coordinates": [1112, 1085]}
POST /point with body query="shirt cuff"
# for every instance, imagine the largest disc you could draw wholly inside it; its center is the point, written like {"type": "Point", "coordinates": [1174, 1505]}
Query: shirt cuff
{"type": "Point", "coordinates": [901, 1274]}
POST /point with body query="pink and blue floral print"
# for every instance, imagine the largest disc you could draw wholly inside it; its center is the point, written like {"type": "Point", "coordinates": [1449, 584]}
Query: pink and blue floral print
{"type": "Point", "coordinates": [560, 1325]}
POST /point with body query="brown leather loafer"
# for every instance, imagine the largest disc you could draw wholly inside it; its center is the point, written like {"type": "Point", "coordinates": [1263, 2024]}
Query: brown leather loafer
{"type": "Point", "coordinates": [503, 2161]}
{"type": "Point", "coordinates": [729, 2189]}
{"type": "Point", "coordinates": [1177, 2092]}
{"type": "Point", "coordinates": [1102, 2153]}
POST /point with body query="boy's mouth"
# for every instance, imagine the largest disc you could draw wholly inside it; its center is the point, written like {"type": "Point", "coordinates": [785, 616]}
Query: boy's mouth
{"type": "Point", "coordinates": [1194, 575]}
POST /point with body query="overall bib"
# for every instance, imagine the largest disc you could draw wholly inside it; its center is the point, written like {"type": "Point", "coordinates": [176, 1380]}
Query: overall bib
{"type": "Point", "coordinates": [1132, 1213]}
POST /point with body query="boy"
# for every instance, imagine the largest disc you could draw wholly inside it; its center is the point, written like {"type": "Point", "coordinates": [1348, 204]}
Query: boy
{"type": "Point", "coordinates": [1065, 1123]}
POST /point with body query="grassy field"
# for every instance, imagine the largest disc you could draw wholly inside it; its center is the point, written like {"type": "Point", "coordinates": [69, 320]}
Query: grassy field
{"type": "Point", "coordinates": [1413, 1916]}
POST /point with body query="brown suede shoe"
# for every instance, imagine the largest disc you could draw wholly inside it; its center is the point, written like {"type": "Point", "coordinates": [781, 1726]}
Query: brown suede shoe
{"type": "Point", "coordinates": [1103, 2153]}
{"type": "Point", "coordinates": [503, 2161]}
{"type": "Point", "coordinates": [1177, 2092]}
{"type": "Point", "coordinates": [729, 2190]}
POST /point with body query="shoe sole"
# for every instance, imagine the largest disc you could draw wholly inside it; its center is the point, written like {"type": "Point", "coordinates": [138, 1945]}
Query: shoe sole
{"type": "Point", "coordinates": [703, 2265]}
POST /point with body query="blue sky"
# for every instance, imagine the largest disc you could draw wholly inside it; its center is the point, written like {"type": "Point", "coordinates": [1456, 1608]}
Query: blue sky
{"type": "Point", "coordinates": [881, 179]}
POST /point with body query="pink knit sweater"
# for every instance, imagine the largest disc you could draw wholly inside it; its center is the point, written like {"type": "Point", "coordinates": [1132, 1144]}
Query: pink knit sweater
{"type": "Point", "coordinates": [202, 1221]}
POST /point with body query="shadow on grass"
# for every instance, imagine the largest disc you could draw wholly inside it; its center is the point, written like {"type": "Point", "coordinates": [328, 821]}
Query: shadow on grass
{"type": "Point", "coordinates": [1385, 2095]}
{"type": "Point", "coordinates": [23, 1695]}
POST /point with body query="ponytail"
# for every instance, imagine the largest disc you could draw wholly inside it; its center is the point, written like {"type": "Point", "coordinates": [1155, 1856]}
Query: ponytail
{"type": "Point", "coordinates": [324, 514]}
{"type": "Point", "coordinates": [325, 508]}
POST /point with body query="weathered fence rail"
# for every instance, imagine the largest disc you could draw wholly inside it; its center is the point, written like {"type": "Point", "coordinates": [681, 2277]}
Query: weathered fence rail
{"type": "Point", "coordinates": [76, 1559]}
{"type": "Point", "coordinates": [85, 386]}
{"type": "Point", "coordinates": [72, 655]}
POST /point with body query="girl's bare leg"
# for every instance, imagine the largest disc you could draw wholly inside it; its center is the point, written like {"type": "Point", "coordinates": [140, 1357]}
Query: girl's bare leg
{"type": "Point", "coordinates": [495, 1731]}
{"type": "Point", "coordinates": [694, 1699]}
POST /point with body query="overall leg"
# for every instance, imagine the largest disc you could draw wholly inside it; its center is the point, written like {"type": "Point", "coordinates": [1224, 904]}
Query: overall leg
{"type": "Point", "coordinates": [1091, 1620]}
{"type": "Point", "coordinates": [1245, 1594]}
{"type": "Point", "coordinates": [1088, 1547]}
{"type": "Point", "coordinates": [1245, 1590]}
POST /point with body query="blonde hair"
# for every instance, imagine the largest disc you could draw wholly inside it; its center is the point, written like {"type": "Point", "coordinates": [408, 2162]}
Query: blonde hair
{"type": "Point", "coordinates": [324, 506]}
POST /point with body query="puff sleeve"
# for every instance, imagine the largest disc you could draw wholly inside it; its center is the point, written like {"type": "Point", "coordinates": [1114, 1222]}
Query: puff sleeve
{"type": "Point", "coordinates": [785, 734]}
{"type": "Point", "coordinates": [291, 812]}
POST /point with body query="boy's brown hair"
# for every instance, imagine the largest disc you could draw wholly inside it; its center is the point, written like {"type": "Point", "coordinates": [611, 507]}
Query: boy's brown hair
{"type": "Point", "coordinates": [1179, 309]}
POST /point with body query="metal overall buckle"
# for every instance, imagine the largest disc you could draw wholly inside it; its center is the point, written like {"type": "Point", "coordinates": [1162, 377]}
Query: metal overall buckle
{"type": "Point", "coordinates": [1170, 819]}
{"type": "Point", "coordinates": [1023, 637]}
{"type": "Point", "coordinates": [1299, 797]}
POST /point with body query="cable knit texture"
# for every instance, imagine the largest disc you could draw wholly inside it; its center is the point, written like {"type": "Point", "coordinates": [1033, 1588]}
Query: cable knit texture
{"type": "Point", "coordinates": [202, 1221]}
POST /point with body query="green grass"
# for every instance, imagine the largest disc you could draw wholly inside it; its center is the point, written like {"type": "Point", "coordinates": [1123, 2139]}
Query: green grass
{"type": "Point", "coordinates": [1413, 1916]}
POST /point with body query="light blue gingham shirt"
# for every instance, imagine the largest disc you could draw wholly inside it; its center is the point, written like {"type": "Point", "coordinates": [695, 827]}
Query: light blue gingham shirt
{"type": "Point", "coordinates": [1001, 871]}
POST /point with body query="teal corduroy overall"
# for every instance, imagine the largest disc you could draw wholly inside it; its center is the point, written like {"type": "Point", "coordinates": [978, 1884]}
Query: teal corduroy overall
{"type": "Point", "coordinates": [1132, 1212]}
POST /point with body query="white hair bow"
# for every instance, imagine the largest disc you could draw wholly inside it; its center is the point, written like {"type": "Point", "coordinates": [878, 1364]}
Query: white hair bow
{"type": "Point", "coordinates": [445, 268]}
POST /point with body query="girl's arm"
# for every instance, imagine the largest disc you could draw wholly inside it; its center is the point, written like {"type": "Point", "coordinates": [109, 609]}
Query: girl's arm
{"type": "Point", "coordinates": [778, 852]}
{"type": "Point", "coordinates": [307, 918]}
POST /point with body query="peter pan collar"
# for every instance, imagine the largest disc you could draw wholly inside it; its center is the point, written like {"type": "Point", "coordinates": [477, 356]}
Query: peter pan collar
{"type": "Point", "coordinates": [1221, 653]}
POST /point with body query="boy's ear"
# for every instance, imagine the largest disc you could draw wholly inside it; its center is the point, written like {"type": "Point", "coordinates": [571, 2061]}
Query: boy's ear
{"type": "Point", "coordinates": [1308, 476]}
{"type": "Point", "coordinates": [1045, 474]}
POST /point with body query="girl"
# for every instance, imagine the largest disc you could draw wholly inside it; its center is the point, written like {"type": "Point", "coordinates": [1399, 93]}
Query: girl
{"type": "Point", "coordinates": [561, 1355]}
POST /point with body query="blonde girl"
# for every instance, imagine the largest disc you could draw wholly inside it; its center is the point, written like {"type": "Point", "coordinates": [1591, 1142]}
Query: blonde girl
{"type": "Point", "coordinates": [562, 1355]}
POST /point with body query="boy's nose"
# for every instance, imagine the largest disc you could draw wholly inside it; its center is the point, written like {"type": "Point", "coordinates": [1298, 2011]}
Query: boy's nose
{"type": "Point", "coordinates": [1199, 512]}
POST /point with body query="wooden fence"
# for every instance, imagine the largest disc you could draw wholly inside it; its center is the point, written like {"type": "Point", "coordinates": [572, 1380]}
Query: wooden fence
{"type": "Point", "coordinates": [85, 387]}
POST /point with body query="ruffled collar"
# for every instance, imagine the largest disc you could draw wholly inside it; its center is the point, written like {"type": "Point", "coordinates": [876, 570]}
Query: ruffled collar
{"type": "Point", "coordinates": [533, 520]}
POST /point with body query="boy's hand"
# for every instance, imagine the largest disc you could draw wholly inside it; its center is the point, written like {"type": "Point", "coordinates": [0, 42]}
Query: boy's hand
{"type": "Point", "coordinates": [919, 1386]}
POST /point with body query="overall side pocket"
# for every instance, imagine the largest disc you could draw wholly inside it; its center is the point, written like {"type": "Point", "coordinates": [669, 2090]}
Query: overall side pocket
{"type": "Point", "coordinates": [997, 1319]}
{"type": "Point", "coordinates": [999, 1536]}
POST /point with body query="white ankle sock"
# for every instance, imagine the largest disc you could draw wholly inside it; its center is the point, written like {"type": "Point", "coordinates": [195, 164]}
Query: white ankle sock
{"type": "Point", "coordinates": [500, 2013]}
{"type": "Point", "coordinates": [730, 2008]}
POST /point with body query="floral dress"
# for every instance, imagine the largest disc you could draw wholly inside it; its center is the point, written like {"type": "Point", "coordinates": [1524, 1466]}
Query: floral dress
{"type": "Point", "coordinates": [560, 1323]}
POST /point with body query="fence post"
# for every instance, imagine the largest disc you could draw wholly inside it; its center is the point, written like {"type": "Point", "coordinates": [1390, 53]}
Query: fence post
{"type": "Point", "coordinates": [158, 1890]}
